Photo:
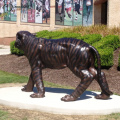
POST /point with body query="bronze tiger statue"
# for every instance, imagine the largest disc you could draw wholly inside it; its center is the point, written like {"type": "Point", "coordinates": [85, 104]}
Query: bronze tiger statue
{"type": "Point", "coordinates": [75, 54]}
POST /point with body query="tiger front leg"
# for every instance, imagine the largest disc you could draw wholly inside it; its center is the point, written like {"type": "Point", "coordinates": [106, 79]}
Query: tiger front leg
{"type": "Point", "coordinates": [37, 78]}
{"type": "Point", "coordinates": [30, 85]}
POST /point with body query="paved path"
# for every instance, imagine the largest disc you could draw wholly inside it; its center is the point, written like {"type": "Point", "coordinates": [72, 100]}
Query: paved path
{"type": "Point", "coordinates": [85, 105]}
{"type": "Point", "coordinates": [4, 50]}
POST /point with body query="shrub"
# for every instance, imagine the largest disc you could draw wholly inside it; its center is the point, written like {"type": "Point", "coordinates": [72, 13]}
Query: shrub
{"type": "Point", "coordinates": [105, 45]}
{"type": "Point", "coordinates": [15, 50]}
{"type": "Point", "coordinates": [106, 57]}
{"type": "Point", "coordinates": [57, 35]}
{"type": "Point", "coordinates": [49, 34]}
{"type": "Point", "coordinates": [43, 33]}
{"type": "Point", "coordinates": [110, 41]}
{"type": "Point", "coordinates": [91, 38]}
{"type": "Point", "coordinates": [54, 34]}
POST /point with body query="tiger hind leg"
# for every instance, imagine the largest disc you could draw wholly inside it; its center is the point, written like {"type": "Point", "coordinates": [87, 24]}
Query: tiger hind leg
{"type": "Point", "coordinates": [86, 79]}
{"type": "Point", "coordinates": [105, 94]}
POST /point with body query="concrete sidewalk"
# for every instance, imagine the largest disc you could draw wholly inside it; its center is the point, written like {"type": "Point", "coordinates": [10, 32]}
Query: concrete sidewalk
{"type": "Point", "coordinates": [4, 50]}
{"type": "Point", "coordinates": [51, 103]}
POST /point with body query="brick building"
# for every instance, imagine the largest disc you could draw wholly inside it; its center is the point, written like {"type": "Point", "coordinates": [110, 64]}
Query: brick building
{"type": "Point", "coordinates": [37, 15]}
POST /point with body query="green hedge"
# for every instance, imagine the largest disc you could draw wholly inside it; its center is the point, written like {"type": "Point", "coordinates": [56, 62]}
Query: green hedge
{"type": "Point", "coordinates": [57, 34]}
{"type": "Point", "coordinates": [15, 50]}
{"type": "Point", "coordinates": [104, 45]}
{"type": "Point", "coordinates": [106, 55]}
{"type": "Point", "coordinates": [91, 38]}
{"type": "Point", "coordinates": [110, 41]}
{"type": "Point", "coordinates": [43, 33]}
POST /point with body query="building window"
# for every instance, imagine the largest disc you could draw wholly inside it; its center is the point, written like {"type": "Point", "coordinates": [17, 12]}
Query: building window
{"type": "Point", "coordinates": [35, 11]}
{"type": "Point", "coordinates": [74, 12]}
{"type": "Point", "coordinates": [8, 10]}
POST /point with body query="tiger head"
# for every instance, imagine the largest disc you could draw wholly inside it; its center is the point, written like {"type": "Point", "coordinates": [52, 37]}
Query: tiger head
{"type": "Point", "coordinates": [22, 38]}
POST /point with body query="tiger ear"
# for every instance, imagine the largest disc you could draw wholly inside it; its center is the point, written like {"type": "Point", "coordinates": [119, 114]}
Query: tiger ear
{"type": "Point", "coordinates": [23, 36]}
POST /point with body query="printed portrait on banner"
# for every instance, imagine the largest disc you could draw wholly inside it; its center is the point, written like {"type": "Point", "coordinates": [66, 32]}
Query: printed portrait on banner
{"type": "Point", "coordinates": [68, 12]}
{"type": "Point", "coordinates": [24, 6]}
{"type": "Point", "coordinates": [7, 8]}
{"type": "Point", "coordinates": [77, 12]}
{"type": "Point", "coordinates": [38, 11]}
{"type": "Point", "coordinates": [31, 11]}
{"type": "Point", "coordinates": [13, 10]}
{"type": "Point", "coordinates": [88, 12]}
{"type": "Point", "coordinates": [46, 11]}
{"type": "Point", "coordinates": [59, 12]}
{"type": "Point", "coordinates": [1, 9]}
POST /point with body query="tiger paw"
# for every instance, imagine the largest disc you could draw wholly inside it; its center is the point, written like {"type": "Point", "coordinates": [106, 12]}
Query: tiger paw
{"type": "Point", "coordinates": [26, 89]}
{"type": "Point", "coordinates": [102, 96]}
{"type": "Point", "coordinates": [37, 95]}
{"type": "Point", "coordinates": [68, 98]}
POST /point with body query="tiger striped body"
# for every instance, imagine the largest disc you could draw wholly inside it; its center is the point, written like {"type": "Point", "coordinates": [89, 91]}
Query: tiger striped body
{"type": "Point", "coordinates": [75, 54]}
{"type": "Point", "coordinates": [63, 52]}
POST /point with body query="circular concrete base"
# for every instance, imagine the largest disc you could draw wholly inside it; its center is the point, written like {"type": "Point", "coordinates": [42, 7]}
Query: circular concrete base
{"type": "Point", "coordinates": [85, 105]}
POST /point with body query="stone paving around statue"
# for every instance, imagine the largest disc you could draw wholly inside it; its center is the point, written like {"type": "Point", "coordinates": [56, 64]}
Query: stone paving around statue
{"type": "Point", "coordinates": [51, 103]}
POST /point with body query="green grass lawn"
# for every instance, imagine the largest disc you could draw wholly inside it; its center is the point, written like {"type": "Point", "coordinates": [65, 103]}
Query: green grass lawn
{"type": "Point", "coordinates": [3, 115]}
{"type": "Point", "coordinates": [6, 77]}
{"type": "Point", "coordinates": [11, 78]}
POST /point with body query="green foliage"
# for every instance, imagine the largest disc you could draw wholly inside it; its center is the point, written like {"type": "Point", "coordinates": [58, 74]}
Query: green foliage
{"type": "Point", "coordinates": [91, 38]}
{"type": "Point", "coordinates": [3, 115]}
{"type": "Point", "coordinates": [106, 55]}
{"type": "Point", "coordinates": [57, 34]}
{"type": "Point", "coordinates": [15, 50]}
{"type": "Point", "coordinates": [11, 78]}
{"type": "Point", "coordinates": [113, 116]}
{"type": "Point", "coordinates": [6, 77]}
{"type": "Point", "coordinates": [43, 33]}
{"type": "Point", "coordinates": [110, 41]}
{"type": "Point", "coordinates": [105, 45]}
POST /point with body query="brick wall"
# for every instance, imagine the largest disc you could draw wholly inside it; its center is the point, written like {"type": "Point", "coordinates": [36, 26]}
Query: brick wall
{"type": "Point", "coordinates": [114, 13]}
{"type": "Point", "coordinates": [8, 29]}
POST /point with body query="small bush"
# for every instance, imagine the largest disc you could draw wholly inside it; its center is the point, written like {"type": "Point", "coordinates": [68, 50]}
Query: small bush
{"type": "Point", "coordinates": [15, 50]}
{"type": "Point", "coordinates": [91, 38]}
{"type": "Point", "coordinates": [105, 45]}
{"type": "Point", "coordinates": [110, 41]}
{"type": "Point", "coordinates": [57, 35]}
{"type": "Point", "coordinates": [49, 34]}
{"type": "Point", "coordinates": [43, 33]}
{"type": "Point", "coordinates": [106, 57]}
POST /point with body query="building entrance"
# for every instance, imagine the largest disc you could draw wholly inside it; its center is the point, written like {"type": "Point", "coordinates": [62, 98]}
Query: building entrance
{"type": "Point", "coordinates": [104, 13]}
